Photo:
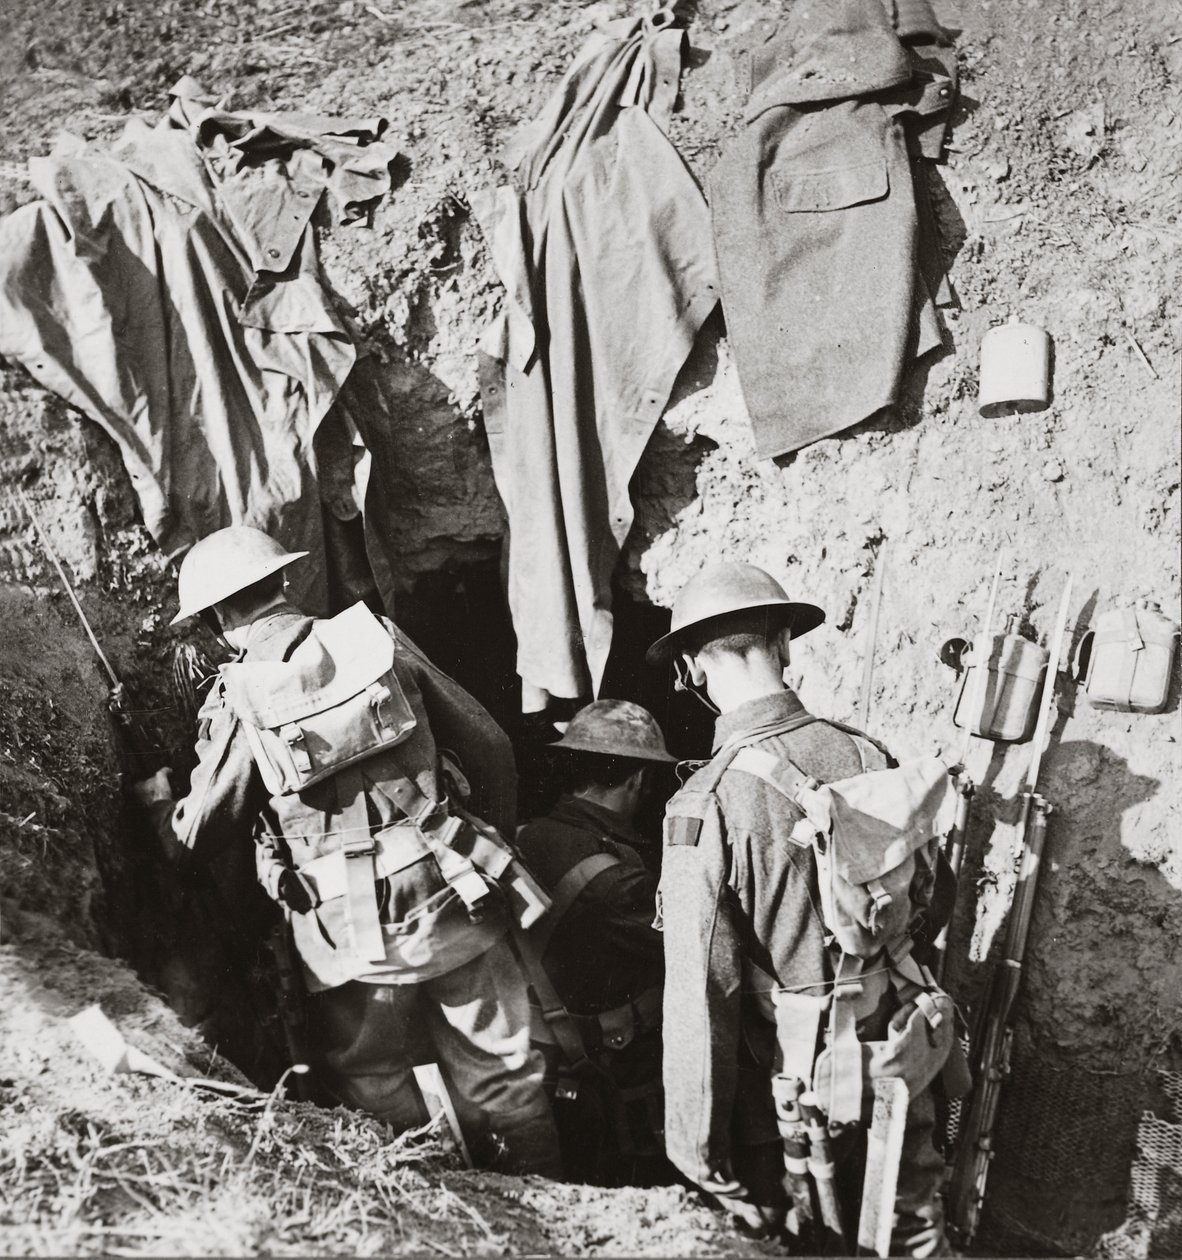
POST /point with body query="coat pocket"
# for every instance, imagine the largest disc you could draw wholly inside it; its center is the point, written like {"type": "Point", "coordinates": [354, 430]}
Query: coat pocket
{"type": "Point", "coordinates": [830, 159]}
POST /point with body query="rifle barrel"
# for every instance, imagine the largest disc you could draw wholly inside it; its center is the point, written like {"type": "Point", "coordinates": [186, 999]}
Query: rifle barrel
{"type": "Point", "coordinates": [45, 546]}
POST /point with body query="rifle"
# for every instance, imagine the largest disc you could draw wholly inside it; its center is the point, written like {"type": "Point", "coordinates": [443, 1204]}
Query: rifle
{"type": "Point", "coordinates": [970, 1174]}
{"type": "Point", "coordinates": [136, 750]}
{"type": "Point", "coordinates": [290, 1003]}
{"type": "Point", "coordinates": [954, 846]}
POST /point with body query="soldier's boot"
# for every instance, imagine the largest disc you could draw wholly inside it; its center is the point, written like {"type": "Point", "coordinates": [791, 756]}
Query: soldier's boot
{"type": "Point", "coordinates": [526, 1142]}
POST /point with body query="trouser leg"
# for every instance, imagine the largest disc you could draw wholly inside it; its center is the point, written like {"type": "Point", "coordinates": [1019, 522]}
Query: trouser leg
{"type": "Point", "coordinates": [364, 1035]}
{"type": "Point", "coordinates": [478, 1018]}
{"type": "Point", "coordinates": [760, 1169]}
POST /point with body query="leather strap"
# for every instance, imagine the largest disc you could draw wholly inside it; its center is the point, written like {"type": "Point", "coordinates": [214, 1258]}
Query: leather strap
{"type": "Point", "coordinates": [563, 895]}
{"type": "Point", "coordinates": [556, 1026]}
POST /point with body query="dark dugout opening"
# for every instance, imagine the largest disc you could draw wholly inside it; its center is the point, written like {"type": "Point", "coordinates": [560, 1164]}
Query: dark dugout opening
{"type": "Point", "coordinates": [209, 946]}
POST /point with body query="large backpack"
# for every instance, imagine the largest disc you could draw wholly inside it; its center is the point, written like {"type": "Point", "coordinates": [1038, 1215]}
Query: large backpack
{"type": "Point", "coordinates": [876, 839]}
{"type": "Point", "coordinates": [334, 702]}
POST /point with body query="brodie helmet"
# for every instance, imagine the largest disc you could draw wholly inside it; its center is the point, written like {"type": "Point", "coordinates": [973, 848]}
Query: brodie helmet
{"type": "Point", "coordinates": [616, 728]}
{"type": "Point", "coordinates": [721, 590]}
{"type": "Point", "coordinates": [226, 562]}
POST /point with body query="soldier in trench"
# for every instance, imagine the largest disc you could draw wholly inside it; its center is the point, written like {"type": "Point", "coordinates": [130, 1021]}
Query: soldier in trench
{"type": "Point", "coordinates": [751, 965]}
{"type": "Point", "coordinates": [596, 960]}
{"type": "Point", "coordinates": [326, 731]}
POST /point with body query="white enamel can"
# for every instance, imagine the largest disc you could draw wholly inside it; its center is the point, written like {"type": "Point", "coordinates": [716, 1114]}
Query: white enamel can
{"type": "Point", "coordinates": [1015, 370]}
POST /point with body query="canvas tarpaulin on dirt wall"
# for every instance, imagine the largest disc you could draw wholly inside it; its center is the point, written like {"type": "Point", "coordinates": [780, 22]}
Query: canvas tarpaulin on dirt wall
{"type": "Point", "coordinates": [603, 244]}
{"type": "Point", "coordinates": [170, 289]}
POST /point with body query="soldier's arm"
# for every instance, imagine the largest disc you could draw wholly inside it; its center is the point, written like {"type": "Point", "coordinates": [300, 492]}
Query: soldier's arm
{"type": "Point", "coordinates": [622, 900]}
{"type": "Point", "coordinates": [226, 791]}
{"type": "Point", "coordinates": [703, 971]}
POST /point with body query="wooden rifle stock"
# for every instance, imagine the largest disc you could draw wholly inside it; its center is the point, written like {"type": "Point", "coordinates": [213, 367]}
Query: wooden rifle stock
{"type": "Point", "coordinates": [995, 1033]}
{"type": "Point", "coordinates": [290, 1000]}
{"type": "Point", "coordinates": [954, 851]}
{"type": "Point", "coordinates": [994, 1026]}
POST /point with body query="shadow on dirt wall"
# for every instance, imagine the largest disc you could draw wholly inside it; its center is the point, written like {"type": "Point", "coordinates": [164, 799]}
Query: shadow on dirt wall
{"type": "Point", "coordinates": [1067, 1125]}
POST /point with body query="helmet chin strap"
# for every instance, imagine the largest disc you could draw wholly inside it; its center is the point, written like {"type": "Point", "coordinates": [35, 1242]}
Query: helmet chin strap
{"type": "Point", "coordinates": [682, 682]}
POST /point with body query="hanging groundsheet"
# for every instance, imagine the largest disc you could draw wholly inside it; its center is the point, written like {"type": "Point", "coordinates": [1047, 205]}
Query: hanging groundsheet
{"type": "Point", "coordinates": [603, 244]}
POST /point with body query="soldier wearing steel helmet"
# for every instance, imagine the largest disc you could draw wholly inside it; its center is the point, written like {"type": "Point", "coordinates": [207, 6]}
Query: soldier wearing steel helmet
{"type": "Point", "coordinates": [596, 958]}
{"type": "Point", "coordinates": [398, 930]}
{"type": "Point", "coordinates": [749, 961]}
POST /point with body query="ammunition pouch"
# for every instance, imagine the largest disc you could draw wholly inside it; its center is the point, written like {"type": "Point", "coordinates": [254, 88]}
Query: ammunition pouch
{"type": "Point", "coordinates": [471, 858]}
{"type": "Point", "coordinates": [606, 1032]}
{"type": "Point", "coordinates": [916, 1052]}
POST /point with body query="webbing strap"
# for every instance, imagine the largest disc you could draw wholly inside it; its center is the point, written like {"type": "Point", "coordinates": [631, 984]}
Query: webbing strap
{"type": "Point", "coordinates": [844, 1104]}
{"type": "Point", "coordinates": [616, 1028]}
{"type": "Point", "coordinates": [797, 1017]}
{"type": "Point", "coordinates": [557, 1019]}
{"type": "Point", "coordinates": [555, 1016]}
{"type": "Point", "coordinates": [779, 773]}
{"type": "Point", "coordinates": [357, 854]}
{"type": "Point", "coordinates": [563, 895]}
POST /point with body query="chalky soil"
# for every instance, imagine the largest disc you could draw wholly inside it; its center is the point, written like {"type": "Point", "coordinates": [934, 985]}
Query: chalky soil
{"type": "Point", "coordinates": [1058, 205]}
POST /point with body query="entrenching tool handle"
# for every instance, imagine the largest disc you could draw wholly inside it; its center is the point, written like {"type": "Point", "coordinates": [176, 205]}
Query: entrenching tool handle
{"type": "Point", "coordinates": [823, 1172]}
{"type": "Point", "coordinates": [786, 1091]}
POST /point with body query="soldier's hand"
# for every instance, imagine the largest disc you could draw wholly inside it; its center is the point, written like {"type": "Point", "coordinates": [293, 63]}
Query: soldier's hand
{"type": "Point", "coordinates": [294, 893]}
{"type": "Point", "coordinates": [154, 790]}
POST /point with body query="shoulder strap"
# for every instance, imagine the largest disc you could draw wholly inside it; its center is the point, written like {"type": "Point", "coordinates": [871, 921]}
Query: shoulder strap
{"type": "Point", "coordinates": [555, 1016]}
{"type": "Point", "coordinates": [725, 756]}
{"type": "Point", "coordinates": [532, 945]}
{"type": "Point", "coordinates": [563, 894]}
{"type": "Point", "coordinates": [778, 772]}
{"type": "Point", "coordinates": [877, 743]}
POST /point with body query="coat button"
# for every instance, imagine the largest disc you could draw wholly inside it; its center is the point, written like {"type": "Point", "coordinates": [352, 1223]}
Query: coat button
{"type": "Point", "coordinates": [272, 253]}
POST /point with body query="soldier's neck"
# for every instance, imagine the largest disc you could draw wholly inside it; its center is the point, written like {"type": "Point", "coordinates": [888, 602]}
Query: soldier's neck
{"type": "Point", "coordinates": [620, 800]}
{"type": "Point", "coordinates": [736, 681]}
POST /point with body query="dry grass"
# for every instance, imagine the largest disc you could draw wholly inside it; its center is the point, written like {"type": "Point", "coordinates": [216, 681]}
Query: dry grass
{"type": "Point", "coordinates": [284, 1178]}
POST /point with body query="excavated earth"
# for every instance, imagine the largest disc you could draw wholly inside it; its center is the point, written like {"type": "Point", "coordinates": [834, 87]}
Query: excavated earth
{"type": "Point", "coordinates": [1058, 204]}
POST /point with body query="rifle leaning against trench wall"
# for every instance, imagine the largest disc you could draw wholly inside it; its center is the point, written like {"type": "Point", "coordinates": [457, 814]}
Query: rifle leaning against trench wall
{"type": "Point", "coordinates": [954, 845]}
{"type": "Point", "coordinates": [995, 1024]}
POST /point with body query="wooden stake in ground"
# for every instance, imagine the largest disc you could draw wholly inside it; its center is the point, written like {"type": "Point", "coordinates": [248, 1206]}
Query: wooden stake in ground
{"type": "Point", "coordinates": [108, 1045]}
{"type": "Point", "coordinates": [433, 1087]}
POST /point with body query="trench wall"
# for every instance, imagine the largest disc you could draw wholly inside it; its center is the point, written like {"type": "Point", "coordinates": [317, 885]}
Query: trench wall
{"type": "Point", "coordinates": [1058, 204]}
